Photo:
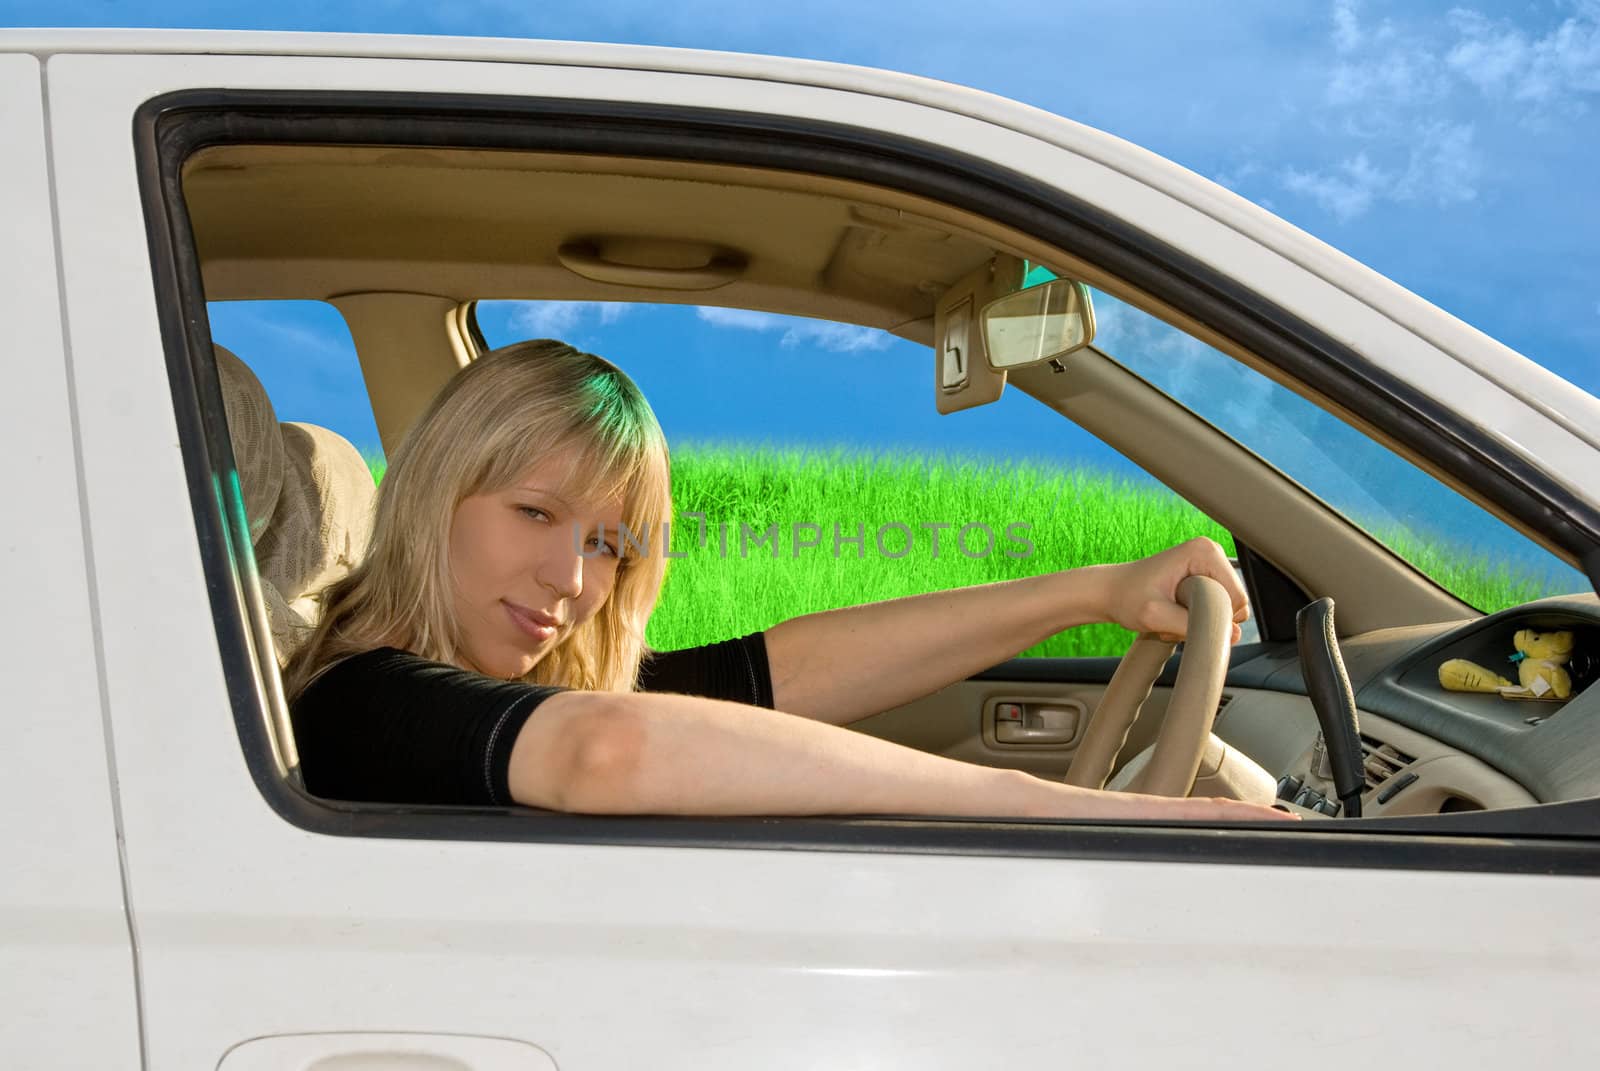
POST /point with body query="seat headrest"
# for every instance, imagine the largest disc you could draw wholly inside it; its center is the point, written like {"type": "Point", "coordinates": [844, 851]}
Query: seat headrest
{"type": "Point", "coordinates": [257, 445]}
{"type": "Point", "coordinates": [323, 518]}
{"type": "Point", "coordinates": [308, 496]}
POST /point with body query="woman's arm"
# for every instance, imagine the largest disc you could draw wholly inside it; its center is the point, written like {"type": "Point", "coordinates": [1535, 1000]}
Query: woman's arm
{"type": "Point", "coordinates": [841, 665]}
{"type": "Point", "coordinates": [635, 753]}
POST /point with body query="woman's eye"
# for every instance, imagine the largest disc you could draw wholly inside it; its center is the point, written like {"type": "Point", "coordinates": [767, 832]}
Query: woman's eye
{"type": "Point", "coordinates": [607, 547]}
{"type": "Point", "coordinates": [533, 512]}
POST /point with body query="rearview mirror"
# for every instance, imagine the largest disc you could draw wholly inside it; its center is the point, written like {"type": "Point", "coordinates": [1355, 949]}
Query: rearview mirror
{"type": "Point", "coordinates": [1039, 323]}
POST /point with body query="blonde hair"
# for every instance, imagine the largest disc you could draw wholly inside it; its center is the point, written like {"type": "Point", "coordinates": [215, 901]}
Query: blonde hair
{"type": "Point", "coordinates": [493, 421]}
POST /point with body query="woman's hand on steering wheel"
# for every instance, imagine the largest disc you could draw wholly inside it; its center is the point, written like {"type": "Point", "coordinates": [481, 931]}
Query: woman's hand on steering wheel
{"type": "Point", "coordinates": [1142, 595]}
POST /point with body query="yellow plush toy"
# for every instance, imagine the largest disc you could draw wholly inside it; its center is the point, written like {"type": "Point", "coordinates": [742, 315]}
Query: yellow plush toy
{"type": "Point", "coordinates": [1541, 659]}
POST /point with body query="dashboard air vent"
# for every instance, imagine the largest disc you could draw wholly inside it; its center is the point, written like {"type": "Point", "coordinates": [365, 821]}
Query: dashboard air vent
{"type": "Point", "coordinates": [1381, 761]}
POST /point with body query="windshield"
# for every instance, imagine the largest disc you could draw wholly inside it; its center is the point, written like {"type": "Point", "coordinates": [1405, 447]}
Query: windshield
{"type": "Point", "coordinates": [1464, 549]}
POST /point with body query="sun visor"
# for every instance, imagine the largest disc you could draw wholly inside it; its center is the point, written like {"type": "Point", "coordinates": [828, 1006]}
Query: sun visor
{"type": "Point", "coordinates": [962, 377]}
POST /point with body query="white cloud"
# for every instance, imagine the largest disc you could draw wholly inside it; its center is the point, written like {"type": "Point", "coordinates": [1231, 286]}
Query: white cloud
{"type": "Point", "coordinates": [1351, 35]}
{"type": "Point", "coordinates": [307, 338]}
{"type": "Point", "coordinates": [1236, 177]}
{"type": "Point", "coordinates": [1346, 27]}
{"type": "Point", "coordinates": [1492, 56]}
{"type": "Point", "coordinates": [1377, 71]}
{"type": "Point", "coordinates": [797, 330]}
{"type": "Point", "coordinates": [1505, 63]}
{"type": "Point", "coordinates": [1405, 106]}
{"type": "Point", "coordinates": [556, 319]}
{"type": "Point", "coordinates": [288, 336]}
{"type": "Point", "coordinates": [1399, 77]}
{"type": "Point", "coordinates": [1346, 194]}
{"type": "Point", "coordinates": [745, 318]}
{"type": "Point", "coordinates": [1486, 59]}
{"type": "Point", "coordinates": [1443, 166]}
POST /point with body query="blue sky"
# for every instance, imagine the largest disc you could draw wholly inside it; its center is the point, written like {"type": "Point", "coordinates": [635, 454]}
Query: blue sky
{"type": "Point", "coordinates": [1452, 146]}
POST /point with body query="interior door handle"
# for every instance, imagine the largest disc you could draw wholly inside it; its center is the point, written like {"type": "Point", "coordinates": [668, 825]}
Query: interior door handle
{"type": "Point", "coordinates": [1035, 721]}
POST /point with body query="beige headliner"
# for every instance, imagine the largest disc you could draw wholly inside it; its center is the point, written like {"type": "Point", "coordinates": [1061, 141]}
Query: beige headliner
{"type": "Point", "coordinates": [315, 222]}
{"type": "Point", "coordinates": [399, 238]}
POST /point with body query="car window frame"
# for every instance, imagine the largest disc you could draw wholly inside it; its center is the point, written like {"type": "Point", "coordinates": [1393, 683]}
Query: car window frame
{"type": "Point", "coordinates": [170, 128]}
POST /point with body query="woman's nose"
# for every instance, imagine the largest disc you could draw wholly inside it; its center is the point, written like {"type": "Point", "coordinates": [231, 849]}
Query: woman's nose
{"type": "Point", "coordinates": [563, 574]}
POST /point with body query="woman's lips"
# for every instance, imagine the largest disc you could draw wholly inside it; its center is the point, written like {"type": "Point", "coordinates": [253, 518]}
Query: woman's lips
{"type": "Point", "coordinates": [534, 623]}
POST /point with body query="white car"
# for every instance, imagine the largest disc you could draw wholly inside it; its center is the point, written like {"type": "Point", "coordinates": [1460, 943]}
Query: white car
{"type": "Point", "coordinates": [174, 899]}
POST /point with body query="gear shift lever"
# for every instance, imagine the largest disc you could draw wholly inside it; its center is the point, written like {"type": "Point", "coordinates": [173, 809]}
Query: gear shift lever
{"type": "Point", "coordinates": [1328, 685]}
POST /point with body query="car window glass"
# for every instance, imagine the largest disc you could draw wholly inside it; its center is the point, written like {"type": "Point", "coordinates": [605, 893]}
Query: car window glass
{"type": "Point", "coordinates": [825, 476]}
{"type": "Point", "coordinates": [305, 358]}
{"type": "Point", "coordinates": [1464, 549]}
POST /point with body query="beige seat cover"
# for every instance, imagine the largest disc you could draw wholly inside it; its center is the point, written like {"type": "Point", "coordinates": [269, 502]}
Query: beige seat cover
{"type": "Point", "coordinates": [308, 497]}
{"type": "Point", "coordinates": [257, 445]}
{"type": "Point", "coordinates": [324, 516]}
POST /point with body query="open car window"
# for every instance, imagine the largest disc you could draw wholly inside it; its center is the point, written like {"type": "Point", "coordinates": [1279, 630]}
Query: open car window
{"type": "Point", "coordinates": [813, 469]}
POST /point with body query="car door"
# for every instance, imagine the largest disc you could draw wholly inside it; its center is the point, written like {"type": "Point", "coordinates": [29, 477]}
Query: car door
{"type": "Point", "coordinates": [66, 956]}
{"type": "Point", "coordinates": [268, 920]}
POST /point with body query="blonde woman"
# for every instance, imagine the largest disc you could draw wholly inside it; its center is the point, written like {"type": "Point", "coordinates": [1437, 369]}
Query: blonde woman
{"type": "Point", "coordinates": [478, 656]}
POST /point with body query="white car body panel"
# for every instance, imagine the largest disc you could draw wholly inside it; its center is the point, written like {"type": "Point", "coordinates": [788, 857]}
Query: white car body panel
{"type": "Point", "coordinates": [66, 958]}
{"type": "Point", "coordinates": [625, 956]}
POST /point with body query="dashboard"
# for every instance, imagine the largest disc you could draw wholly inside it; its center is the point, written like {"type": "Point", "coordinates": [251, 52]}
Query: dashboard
{"type": "Point", "coordinates": [1428, 750]}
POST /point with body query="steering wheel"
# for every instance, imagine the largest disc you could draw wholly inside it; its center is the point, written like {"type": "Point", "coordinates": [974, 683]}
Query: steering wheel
{"type": "Point", "coordinates": [1175, 759]}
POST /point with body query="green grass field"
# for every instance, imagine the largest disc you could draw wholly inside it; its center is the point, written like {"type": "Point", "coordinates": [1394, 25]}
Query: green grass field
{"type": "Point", "coordinates": [1075, 517]}
{"type": "Point", "coordinates": [1480, 581]}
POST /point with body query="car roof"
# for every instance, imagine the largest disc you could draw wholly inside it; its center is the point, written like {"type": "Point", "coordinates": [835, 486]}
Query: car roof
{"type": "Point", "coordinates": [1563, 403]}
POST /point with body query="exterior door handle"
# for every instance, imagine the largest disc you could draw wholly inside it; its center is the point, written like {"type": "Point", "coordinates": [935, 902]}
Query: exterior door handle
{"type": "Point", "coordinates": [385, 1052]}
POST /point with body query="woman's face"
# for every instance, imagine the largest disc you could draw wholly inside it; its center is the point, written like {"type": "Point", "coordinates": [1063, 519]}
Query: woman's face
{"type": "Point", "coordinates": [520, 584]}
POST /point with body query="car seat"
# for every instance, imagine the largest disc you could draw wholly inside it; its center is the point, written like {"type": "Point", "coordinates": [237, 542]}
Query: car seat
{"type": "Point", "coordinates": [308, 497]}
